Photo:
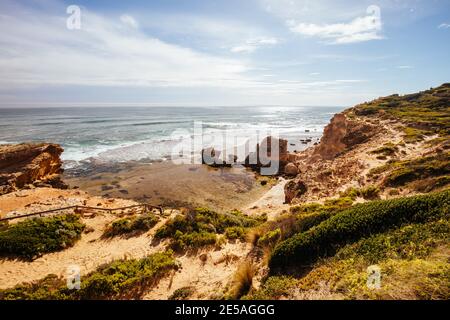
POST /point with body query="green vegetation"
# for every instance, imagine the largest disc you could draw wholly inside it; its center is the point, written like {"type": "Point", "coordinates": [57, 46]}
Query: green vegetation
{"type": "Point", "coordinates": [388, 149]}
{"type": "Point", "coordinates": [422, 174]}
{"type": "Point", "coordinates": [274, 288]}
{"type": "Point", "coordinates": [182, 241]}
{"type": "Point", "coordinates": [412, 135]}
{"type": "Point", "coordinates": [410, 242]}
{"type": "Point", "coordinates": [123, 279]}
{"type": "Point", "coordinates": [182, 293]}
{"type": "Point", "coordinates": [412, 254]}
{"type": "Point", "coordinates": [233, 233]}
{"type": "Point", "coordinates": [355, 223]}
{"type": "Point", "coordinates": [32, 238]}
{"type": "Point", "coordinates": [330, 205]}
{"type": "Point", "coordinates": [423, 113]}
{"type": "Point", "coordinates": [132, 226]}
{"type": "Point", "coordinates": [368, 193]}
{"type": "Point", "coordinates": [4, 225]}
{"type": "Point", "coordinates": [270, 238]}
{"type": "Point", "coordinates": [200, 227]}
{"type": "Point", "coordinates": [418, 169]}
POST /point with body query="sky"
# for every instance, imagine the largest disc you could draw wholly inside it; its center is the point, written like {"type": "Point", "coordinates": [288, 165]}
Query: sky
{"type": "Point", "coordinates": [219, 53]}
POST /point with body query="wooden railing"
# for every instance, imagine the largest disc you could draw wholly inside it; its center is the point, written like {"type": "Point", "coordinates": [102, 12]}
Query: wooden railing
{"type": "Point", "coordinates": [144, 207]}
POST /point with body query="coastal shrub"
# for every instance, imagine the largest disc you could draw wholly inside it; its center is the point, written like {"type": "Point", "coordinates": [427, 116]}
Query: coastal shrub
{"type": "Point", "coordinates": [370, 192]}
{"type": "Point", "coordinates": [132, 226]}
{"type": "Point", "coordinates": [182, 293]}
{"type": "Point", "coordinates": [412, 135]}
{"type": "Point", "coordinates": [411, 241]}
{"type": "Point", "coordinates": [273, 288]}
{"type": "Point", "coordinates": [4, 225]}
{"type": "Point", "coordinates": [351, 193]}
{"type": "Point", "coordinates": [270, 238]}
{"type": "Point", "coordinates": [400, 173]}
{"type": "Point", "coordinates": [422, 113]}
{"type": "Point", "coordinates": [233, 233]}
{"type": "Point", "coordinates": [356, 222]}
{"type": "Point", "coordinates": [122, 279]}
{"type": "Point", "coordinates": [271, 233]}
{"type": "Point", "coordinates": [126, 278]}
{"type": "Point", "coordinates": [306, 208]}
{"type": "Point", "coordinates": [398, 252]}
{"type": "Point", "coordinates": [306, 222]}
{"type": "Point", "coordinates": [182, 241]}
{"type": "Point", "coordinates": [394, 192]}
{"type": "Point", "coordinates": [47, 288]}
{"type": "Point", "coordinates": [34, 237]}
{"type": "Point", "coordinates": [417, 169]}
{"type": "Point", "coordinates": [430, 184]}
{"type": "Point", "coordinates": [338, 204]}
{"type": "Point", "coordinates": [386, 150]}
{"type": "Point", "coordinates": [330, 205]}
{"type": "Point", "coordinates": [200, 227]}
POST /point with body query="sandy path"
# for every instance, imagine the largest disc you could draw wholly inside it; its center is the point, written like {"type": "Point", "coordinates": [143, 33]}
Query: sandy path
{"type": "Point", "coordinates": [208, 278]}
{"type": "Point", "coordinates": [88, 253]}
{"type": "Point", "coordinates": [272, 202]}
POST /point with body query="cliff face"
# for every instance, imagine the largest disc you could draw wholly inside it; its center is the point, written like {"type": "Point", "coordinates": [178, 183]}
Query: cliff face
{"type": "Point", "coordinates": [27, 164]}
{"type": "Point", "coordinates": [341, 134]}
{"type": "Point", "coordinates": [397, 145]}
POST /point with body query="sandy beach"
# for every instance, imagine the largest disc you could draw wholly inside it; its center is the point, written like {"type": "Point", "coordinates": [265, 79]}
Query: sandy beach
{"type": "Point", "coordinates": [172, 185]}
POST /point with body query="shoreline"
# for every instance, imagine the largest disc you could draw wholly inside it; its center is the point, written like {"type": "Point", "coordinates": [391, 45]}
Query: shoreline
{"type": "Point", "coordinates": [173, 185]}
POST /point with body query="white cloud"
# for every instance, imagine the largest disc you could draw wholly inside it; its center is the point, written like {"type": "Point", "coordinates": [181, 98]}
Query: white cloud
{"type": "Point", "coordinates": [253, 44]}
{"type": "Point", "coordinates": [405, 67]}
{"type": "Point", "coordinates": [40, 51]}
{"type": "Point", "coordinates": [314, 74]}
{"type": "Point", "coordinates": [115, 57]}
{"type": "Point", "coordinates": [444, 26]}
{"type": "Point", "coordinates": [358, 30]}
{"type": "Point", "coordinates": [129, 21]}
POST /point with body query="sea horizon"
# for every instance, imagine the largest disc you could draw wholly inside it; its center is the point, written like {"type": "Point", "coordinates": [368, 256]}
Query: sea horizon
{"type": "Point", "coordinates": [120, 134]}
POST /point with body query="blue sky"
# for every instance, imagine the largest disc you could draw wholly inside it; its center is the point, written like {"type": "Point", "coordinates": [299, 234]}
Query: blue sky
{"type": "Point", "coordinates": [221, 53]}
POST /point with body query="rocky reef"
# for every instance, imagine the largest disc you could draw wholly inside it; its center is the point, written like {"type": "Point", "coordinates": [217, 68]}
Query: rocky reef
{"type": "Point", "coordinates": [271, 157]}
{"type": "Point", "coordinates": [30, 165]}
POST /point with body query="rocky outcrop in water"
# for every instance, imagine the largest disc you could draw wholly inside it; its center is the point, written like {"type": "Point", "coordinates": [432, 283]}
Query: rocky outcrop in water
{"type": "Point", "coordinates": [267, 160]}
{"type": "Point", "coordinates": [30, 165]}
{"type": "Point", "coordinates": [270, 158]}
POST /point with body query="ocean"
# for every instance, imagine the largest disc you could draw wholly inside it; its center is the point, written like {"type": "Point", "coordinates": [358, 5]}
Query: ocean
{"type": "Point", "coordinates": [134, 133]}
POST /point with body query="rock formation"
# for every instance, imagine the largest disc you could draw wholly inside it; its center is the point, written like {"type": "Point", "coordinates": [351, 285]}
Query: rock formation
{"type": "Point", "coordinates": [29, 164]}
{"type": "Point", "coordinates": [265, 160]}
{"type": "Point", "coordinates": [268, 161]}
{"type": "Point", "coordinates": [342, 134]}
{"type": "Point", "coordinates": [323, 169]}
{"type": "Point", "coordinates": [291, 169]}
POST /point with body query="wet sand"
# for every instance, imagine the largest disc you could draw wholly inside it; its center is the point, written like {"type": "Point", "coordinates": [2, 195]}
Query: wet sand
{"type": "Point", "coordinates": [171, 185]}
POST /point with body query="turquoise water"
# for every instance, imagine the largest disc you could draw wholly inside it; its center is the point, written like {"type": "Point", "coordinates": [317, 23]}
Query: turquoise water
{"type": "Point", "coordinates": [133, 133]}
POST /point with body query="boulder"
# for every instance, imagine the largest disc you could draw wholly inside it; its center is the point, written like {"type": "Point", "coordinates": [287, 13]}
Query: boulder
{"type": "Point", "coordinates": [266, 160]}
{"type": "Point", "coordinates": [291, 169]}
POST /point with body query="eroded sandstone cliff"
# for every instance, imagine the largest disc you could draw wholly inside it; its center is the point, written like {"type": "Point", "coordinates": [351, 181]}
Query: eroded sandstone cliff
{"type": "Point", "coordinates": [30, 164]}
{"type": "Point", "coordinates": [342, 134]}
